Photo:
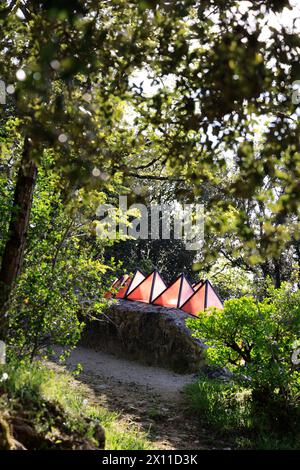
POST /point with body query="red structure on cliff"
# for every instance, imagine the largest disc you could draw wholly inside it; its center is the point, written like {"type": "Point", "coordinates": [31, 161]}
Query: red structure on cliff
{"type": "Point", "coordinates": [179, 294]}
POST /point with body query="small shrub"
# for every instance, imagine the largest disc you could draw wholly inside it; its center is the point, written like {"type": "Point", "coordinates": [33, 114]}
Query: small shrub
{"type": "Point", "coordinates": [224, 406]}
{"type": "Point", "coordinates": [45, 307]}
{"type": "Point", "coordinates": [43, 311]}
{"type": "Point", "coordinates": [228, 410]}
{"type": "Point", "coordinates": [255, 341]}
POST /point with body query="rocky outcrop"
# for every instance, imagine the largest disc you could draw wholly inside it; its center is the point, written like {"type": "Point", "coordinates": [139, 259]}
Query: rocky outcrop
{"type": "Point", "coordinates": [151, 334]}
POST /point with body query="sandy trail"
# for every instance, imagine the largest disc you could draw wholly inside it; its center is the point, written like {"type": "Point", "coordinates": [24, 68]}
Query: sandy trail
{"type": "Point", "coordinates": [149, 397]}
{"type": "Point", "coordinates": [111, 368]}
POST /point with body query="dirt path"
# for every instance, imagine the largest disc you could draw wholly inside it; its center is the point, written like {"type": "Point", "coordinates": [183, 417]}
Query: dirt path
{"type": "Point", "coordinates": [149, 397]}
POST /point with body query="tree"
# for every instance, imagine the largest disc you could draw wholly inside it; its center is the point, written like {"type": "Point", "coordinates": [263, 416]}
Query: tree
{"type": "Point", "coordinates": [253, 233]}
{"type": "Point", "coordinates": [57, 106]}
{"type": "Point", "coordinates": [70, 87]}
{"type": "Point", "coordinates": [63, 274]}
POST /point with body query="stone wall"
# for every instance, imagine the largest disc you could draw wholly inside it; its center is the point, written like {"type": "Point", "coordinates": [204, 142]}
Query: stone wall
{"type": "Point", "coordinates": [148, 333]}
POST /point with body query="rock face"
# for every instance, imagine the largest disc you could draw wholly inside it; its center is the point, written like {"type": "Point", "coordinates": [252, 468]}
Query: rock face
{"type": "Point", "coordinates": [148, 333]}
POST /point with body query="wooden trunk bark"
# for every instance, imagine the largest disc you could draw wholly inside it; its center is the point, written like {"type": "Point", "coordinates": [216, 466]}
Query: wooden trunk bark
{"type": "Point", "coordinates": [277, 272]}
{"type": "Point", "coordinates": [15, 245]}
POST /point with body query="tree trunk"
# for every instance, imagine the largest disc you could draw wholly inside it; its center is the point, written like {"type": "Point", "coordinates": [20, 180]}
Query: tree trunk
{"type": "Point", "coordinates": [15, 245]}
{"type": "Point", "coordinates": [277, 272]}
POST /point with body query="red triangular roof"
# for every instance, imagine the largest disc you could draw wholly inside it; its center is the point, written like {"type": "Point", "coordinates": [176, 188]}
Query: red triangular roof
{"type": "Point", "coordinates": [116, 285]}
{"type": "Point", "coordinates": [212, 298]}
{"type": "Point", "coordinates": [176, 294]}
{"type": "Point", "coordinates": [204, 297]}
{"type": "Point", "coordinates": [123, 289]}
{"type": "Point", "coordinates": [148, 288]}
{"type": "Point", "coordinates": [197, 284]}
{"type": "Point", "coordinates": [138, 277]}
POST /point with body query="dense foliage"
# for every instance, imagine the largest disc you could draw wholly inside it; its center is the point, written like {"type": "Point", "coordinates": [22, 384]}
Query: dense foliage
{"type": "Point", "coordinates": [190, 101]}
{"type": "Point", "coordinates": [63, 266]}
{"type": "Point", "coordinates": [255, 340]}
{"type": "Point", "coordinates": [228, 409]}
{"type": "Point", "coordinates": [252, 343]}
{"type": "Point", "coordinates": [220, 121]}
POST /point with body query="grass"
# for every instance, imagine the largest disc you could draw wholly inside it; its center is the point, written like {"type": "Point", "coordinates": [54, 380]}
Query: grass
{"type": "Point", "coordinates": [37, 387]}
{"type": "Point", "coordinates": [62, 413]}
{"type": "Point", "coordinates": [228, 410]}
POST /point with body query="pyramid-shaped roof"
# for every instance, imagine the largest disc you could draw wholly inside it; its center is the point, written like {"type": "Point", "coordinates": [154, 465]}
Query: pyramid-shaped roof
{"type": "Point", "coordinates": [149, 288]}
{"type": "Point", "coordinates": [123, 289]}
{"type": "Point", "coordinates": [204, 297]}
{"type": "Point", "coordinates": [197, 284]}
{"type": "Point", "coordinates": [116, 281]}
{"type": "Point", "coordinates": [116, 285]}
{"type": "Point", "coordinates": [137, 278]}
{"type": "Point", "coordinates": [176, 294]}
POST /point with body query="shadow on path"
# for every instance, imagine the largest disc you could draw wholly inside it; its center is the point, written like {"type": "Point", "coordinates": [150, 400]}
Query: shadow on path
{"type": "Point", "coordinates": [149, 397]}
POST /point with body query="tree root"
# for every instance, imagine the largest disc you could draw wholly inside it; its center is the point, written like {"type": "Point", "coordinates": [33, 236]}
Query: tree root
{"type": "Point", "coordinates": [7, 441]}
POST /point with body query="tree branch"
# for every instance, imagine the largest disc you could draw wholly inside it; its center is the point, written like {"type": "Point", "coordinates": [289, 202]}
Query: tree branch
{"type": "Point", "coordinates": [154, 177]}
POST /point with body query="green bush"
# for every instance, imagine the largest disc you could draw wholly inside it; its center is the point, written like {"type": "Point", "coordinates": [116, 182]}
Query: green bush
{"type": "Point", "coordinates": [255, 340]}
{"type": "Point", "coordinates": [63, 272]}
{"type": "Point", "coordinates": [229, 410]}
{"type": "Point", "coordinates": [224, 406]}
{"type": "Point", "coordinates": [43, 311]}
{"type": "Point", "coordinates": [45, 306]}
